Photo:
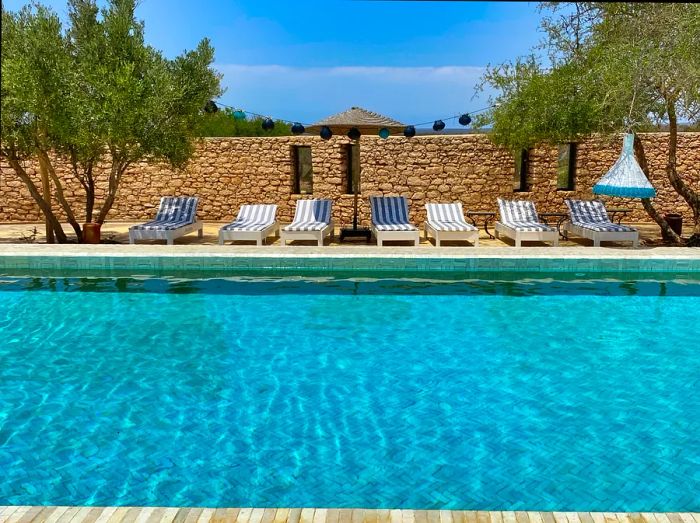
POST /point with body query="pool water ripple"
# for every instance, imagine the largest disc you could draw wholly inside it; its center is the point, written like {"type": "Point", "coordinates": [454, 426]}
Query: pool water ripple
{"type": "Point", "coordinates": [371, 393]}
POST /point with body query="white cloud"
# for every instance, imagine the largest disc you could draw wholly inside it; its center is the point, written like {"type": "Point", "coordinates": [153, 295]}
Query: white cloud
{"type": "Point", "coordinates": [409, 94]}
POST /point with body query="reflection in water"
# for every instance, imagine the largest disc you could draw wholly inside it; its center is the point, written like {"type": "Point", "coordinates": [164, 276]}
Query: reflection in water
{"type": "Point", "coordinates": [505, 285]}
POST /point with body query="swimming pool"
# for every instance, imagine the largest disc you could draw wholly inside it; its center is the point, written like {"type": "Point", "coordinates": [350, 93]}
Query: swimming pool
{"type": "Point", "coordinates": [543, 394]}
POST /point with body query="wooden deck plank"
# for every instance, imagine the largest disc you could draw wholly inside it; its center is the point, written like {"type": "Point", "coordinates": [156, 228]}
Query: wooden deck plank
{"type": "Point", "coordinates": [345, 515]}
{"type": "Point", "coordinates": [86, 514]}
{"type": "Point", "coordinates": [421, 516]}
{"type": "Point", "coordinates": [244, 515]}
{"type": "Point", "coordinates": [307, 515]}
{"type": "Point", "coordinates": [370, 516]}
{"type": "Point", "coordinates": [320, 515]}
{"type": "Point", "coordinates": [256, 515]}
{"type": "Point", "coordinates": [15, 515]}
{"type": "Point", "coordinates": [281, 515]}
{"type": "Point", "coordinates": [294, 515]}
{"type": "Point", "coordinates": [29, 515]}
{"type": "Point", "coordinates": [357, 516]}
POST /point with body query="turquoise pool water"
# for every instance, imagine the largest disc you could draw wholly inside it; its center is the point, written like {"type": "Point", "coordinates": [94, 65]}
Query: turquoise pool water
{"type": "Point", "coordinates": [331, 392]}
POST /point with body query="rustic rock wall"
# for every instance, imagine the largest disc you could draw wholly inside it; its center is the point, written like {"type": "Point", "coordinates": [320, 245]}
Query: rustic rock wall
{"type": "Point", "coordinates": [228, 172]}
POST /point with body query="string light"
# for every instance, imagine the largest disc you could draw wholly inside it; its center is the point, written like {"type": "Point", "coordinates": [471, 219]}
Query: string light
{"type": "Point", "coordinates": [326, 133]}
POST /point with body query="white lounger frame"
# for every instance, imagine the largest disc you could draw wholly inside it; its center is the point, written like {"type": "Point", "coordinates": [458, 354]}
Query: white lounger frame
{"type": "Point", "coordinates": [390, 236]}
{"type": "Point", "coordinates": [470, 235]}
{"type": "Point", "coordinates": [302, 212]}
{"type": "Point", "coordinates": [603, 236]}
{"type": "Point", "coordinates": [258, 236]}
{"type": "Point", "coordinates": [526, 236]}
{"type": "Point", "coordinates": [317, 236]}
{"type": "Point", "coordinates": [438, 236]}
{"type": "Point", "coordinates": [168, 235]}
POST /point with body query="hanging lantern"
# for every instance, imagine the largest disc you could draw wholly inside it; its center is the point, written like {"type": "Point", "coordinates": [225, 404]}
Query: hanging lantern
{"type": "Point", "coordinates": [384, 133]}
{"type": "Point", "coordinates": [326, 132]}
{"type": "Point", "coordinates": [465, 119]}
{"type": "Point", "coordinates": [210, 107]}
{"type": "Point", "coordinates": [268, 124]}
{"type": "Point", "coordinates": [439, 125]}
{"type": "Point", "coordinates": [297, 128]}
{"type": "Point", "coordinates": [238, 114]}
{"type": "Point", "coordinates": [409, 131]}
{"type": "Point", "coordinates": [625, 178]}
{"type": "Point", "coordinates": [354, 133]}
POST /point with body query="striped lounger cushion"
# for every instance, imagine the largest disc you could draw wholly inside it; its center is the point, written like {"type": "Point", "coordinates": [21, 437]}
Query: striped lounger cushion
{"type": "Point", "coordinates": [174, 212]}
{"type": "Point", "coordinates": [591, 214]}
{"type": "Point", "coordinates": [253, 218]}
{"type": "Point", "coordinates": [447, 217]}
{"type": "Point", "coordinates": [521, 216]}
{"type": "Point", "coordinates": [311, 215]}
{"type": "Point", "coordinates": [390, 213]}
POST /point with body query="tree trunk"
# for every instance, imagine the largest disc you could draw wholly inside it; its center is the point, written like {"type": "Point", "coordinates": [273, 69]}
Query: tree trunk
{"type": "Point", "coordinates": [61, 197]}
{"type": "Point", "coordinates": [46, 190]}
{"type": "Point", "coordinates": [115, 176]}
{"type": "Point", "coordinates": [667, 233]}
{"type": "Point", "coordinates": [43, 204]}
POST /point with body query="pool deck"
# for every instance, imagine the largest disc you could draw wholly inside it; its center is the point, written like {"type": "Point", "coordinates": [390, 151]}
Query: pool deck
{"type": "Point", "coordinates": [354, 251]}
{"type": "Point", "coordinates": [26, 514]}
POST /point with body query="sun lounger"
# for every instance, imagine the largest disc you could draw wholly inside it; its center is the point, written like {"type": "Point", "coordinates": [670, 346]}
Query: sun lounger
{"type": "Point", "coordinates": [312, 221]}
{"type": "Point", "coordinates": [176, 217]}
{"type": "Point", "coordinates": [519, 221]}
{"type": "Point", "coordinates": [390, 220]}
{"type": "Point", "coordinates": [589, 219]}
{"type": "Point", "coordinates": [254, 222]}
{"type": "Point", "coordinates": [446, 222]}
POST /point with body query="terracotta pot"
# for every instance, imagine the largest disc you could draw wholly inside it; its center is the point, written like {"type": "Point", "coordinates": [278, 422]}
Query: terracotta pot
{"type": "Point", "coordinates": [91, 232]}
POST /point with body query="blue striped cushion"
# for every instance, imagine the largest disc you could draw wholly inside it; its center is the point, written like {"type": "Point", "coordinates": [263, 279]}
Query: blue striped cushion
{"type": "Point", "coordinates": [592, 215]}
{"type": "Point", "coordinates": [252, 218]}
{"type": "Point", "coordinates": [447, 217]}
{"type": "Point", "coordinates": [390, 213]}
{"type": "Point", "coordinates": [521, 215]}
{"type": "Point", "coordinates": [173, 212]}
{"type": "Point", "coordinates": [311, 215]}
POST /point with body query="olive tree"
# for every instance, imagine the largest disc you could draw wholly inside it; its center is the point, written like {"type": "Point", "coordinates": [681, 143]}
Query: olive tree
{"type": "Point", "coordinates": [605, 68]}
{"type": "Point", "coordinates": [95, 93]}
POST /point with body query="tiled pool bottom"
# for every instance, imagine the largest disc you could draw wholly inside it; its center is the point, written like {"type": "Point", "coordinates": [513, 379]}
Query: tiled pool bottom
{"type": "Point", "coordinates": [513, 394]}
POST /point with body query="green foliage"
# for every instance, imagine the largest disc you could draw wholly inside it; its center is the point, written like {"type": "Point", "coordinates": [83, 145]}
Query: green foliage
{"type": "Point", "coordinates": [222, 123]}
{"type": "Point", "coordinates": [609, 67]}
{"type": "Point", "coordinates": [97, 92]}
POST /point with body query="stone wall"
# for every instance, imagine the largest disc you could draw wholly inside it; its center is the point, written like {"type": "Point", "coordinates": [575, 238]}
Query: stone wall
{"type": "Point", "coordinates": [228, 172]}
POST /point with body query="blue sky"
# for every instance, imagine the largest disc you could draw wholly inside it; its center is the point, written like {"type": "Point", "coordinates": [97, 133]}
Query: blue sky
{"type": "Point", "coordinates": [304, 59]}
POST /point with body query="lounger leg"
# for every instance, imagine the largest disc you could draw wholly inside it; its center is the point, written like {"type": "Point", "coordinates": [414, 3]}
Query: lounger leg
{"type": "Point", "coordinates": [476, 241]}
{"type": "Point", "coordinates": [517, 241]}
{"type": "Point", "coordinates": [260, 242]}
{"type": "Point", "coordinates": [200, 232]}
{"type": "Point", "coordinates": [635, 243]}
{"type": "Point", "coordinates": [437, 241]}
{"type": "Point", "coordinates": [555, 243]}
{"type": "Point", "coordinates": [379, 242]}
{"type": "Point", "coordinates": [132, 240]}
{"type": "Point", "coordinates": [596, 242]}
{"type": "Point", "coordinates": [221, 239]}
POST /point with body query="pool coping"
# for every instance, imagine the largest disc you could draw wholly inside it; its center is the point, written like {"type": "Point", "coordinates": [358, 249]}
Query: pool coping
{"type": "Point", "coordinates": [109, 260]}
{"type": "Point", "coordinates": [77, 514]}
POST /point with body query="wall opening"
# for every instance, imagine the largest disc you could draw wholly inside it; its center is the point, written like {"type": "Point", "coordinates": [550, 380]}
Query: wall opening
{"type": "Point", "coordinates": [303, 182]}
{"type": "Point", "coordinates": [566, 166]}
{"type": "Point", "coordinates": [521, 178]}
{"type": "Point", "coordinates": [352, 168]}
